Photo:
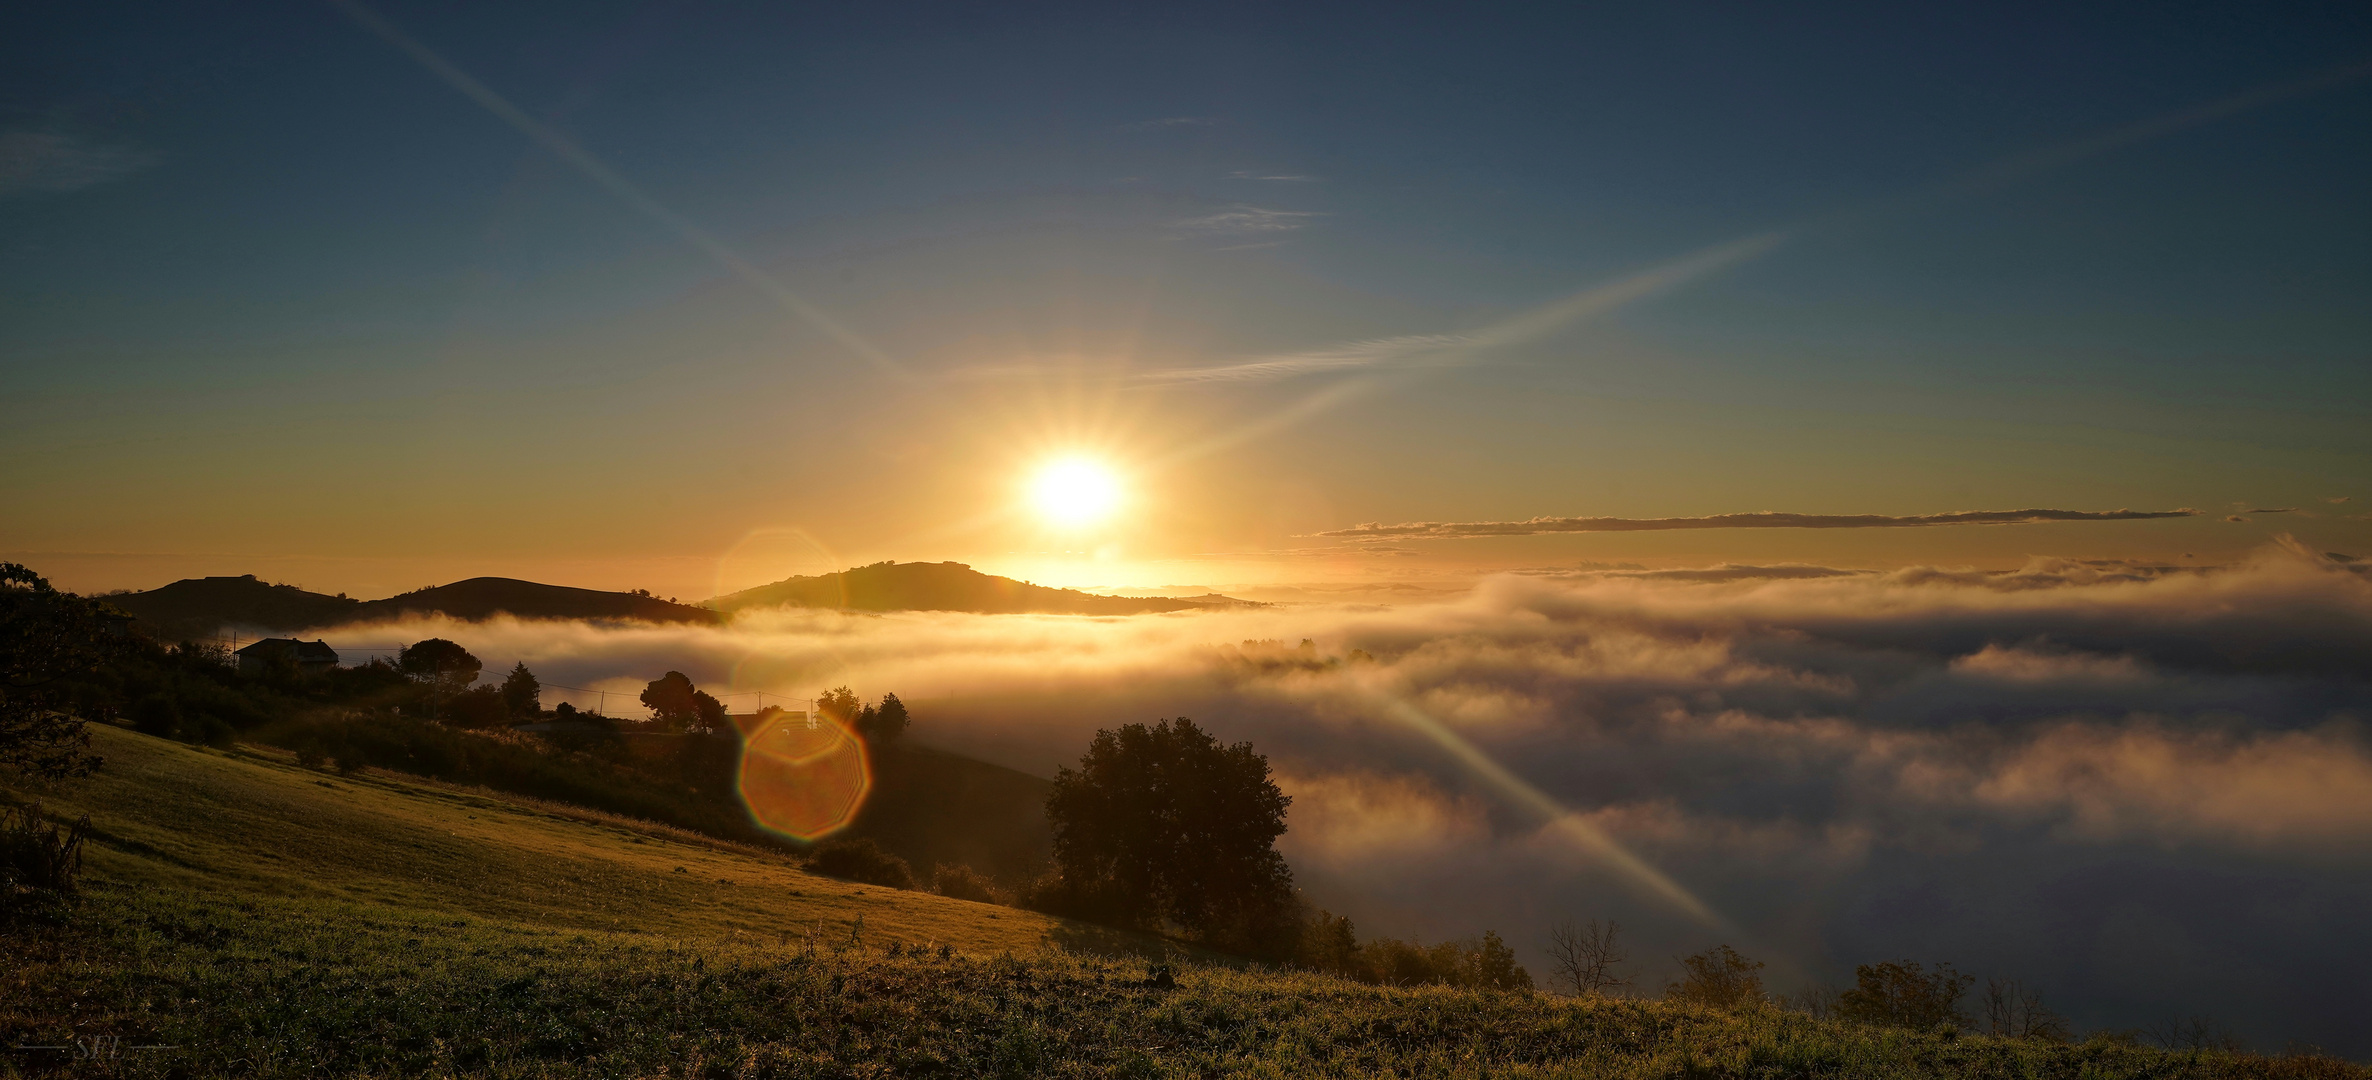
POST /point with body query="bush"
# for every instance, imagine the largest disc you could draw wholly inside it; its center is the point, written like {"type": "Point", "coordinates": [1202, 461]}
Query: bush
{"type": "Point", "coordinates": [860, 860]}
{"type": "Point", "coordinates": [1477, 963]}
{"type": "Point", "coordinates": [205, 729]}
{"type": "Point", "coordinates": [156, 715]}
{"type": "Point", "coordinates": [1056, 894]}
{"type": "Point", "coordinates": [1720, 978]}
{"type": "Point", "coordinates": [479, 707]}
{"type": "Point", "coordinates": [38, 854]}
{"type": "Point", "coordinates": [961, 882]}
{"type": "Point", "coordinates": [1905, 995]}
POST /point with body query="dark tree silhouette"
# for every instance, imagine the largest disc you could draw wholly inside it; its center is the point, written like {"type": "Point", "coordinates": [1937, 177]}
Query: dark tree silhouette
{"type": "Point", "coordinates": [440, 663]}
{"type": "Point", "coordinates": [839, 704]}
{"type": "Point", "coordinates": [522, 695]}
{"type": "Point", "coordinates": [883, 724]}
{"type": "Point", "coordinates": [678, 705]}
{"type": "Point", "coordinates": [2014, 1012]}
{"type": "Point", "coordinates": [1584, 958]}
{"type": "Point", "coordinates": [708, 714]}
{"type": "Point", "coordinates": [46, 637]}
{"type": "Point", "coordinates": [1164, 823]}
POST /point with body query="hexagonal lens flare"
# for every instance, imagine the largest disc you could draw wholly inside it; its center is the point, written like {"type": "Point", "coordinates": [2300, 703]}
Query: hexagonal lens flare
{"type": "Point", "coordinates": [804, 776]}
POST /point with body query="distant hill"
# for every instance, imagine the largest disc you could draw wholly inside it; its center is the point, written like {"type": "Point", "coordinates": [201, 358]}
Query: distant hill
{"type": "Point", "coordinates": [198, 607]}
{"type": "Point", "coordinates": [949, 586]}
{"type": "Point", "coordinates": [486, 597]}
{"type": "Point", "coordinates": [201, 607]}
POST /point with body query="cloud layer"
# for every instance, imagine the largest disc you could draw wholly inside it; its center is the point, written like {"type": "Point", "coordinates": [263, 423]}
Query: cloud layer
{"type": "Point", "coordinates": [1456, 530]}
{"type": "Point", "coordinates": [2146, 792]}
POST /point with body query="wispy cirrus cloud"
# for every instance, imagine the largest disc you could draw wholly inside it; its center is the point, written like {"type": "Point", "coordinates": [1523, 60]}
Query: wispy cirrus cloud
{"type": "Point", "coordinates": [1355, 355]}
{"type": "Point", "coordinates": [1245, 219]}
{"type": "Point", "coordinates": [1443, 350]}
{"type": "Point", "coordinates": [1170, 122]}
{"type": "Point", "coordinates": [1461, 530]}
{"type": "Point", "coordinates": [1548, 318]}
{"type": "Point", "coordinates": [53, 162]}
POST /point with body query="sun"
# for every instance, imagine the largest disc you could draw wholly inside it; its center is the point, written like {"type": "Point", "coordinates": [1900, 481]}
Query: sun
{"type": "Point", "coordinates": [1075, 492]}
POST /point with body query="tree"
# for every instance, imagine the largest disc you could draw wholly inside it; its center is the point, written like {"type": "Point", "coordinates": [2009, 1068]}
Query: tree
{"type": "Point", "coordinates": [1329, 943]}
{"type": "Point", "coordinates": [2014, 1013]}
{"type": "Point", "coordinates": [883, 724]}
{"type": "Point", "coordinates": [1492, 964]}
{"type": "Point", "coordinates": [1905, 995]}
{"type": "Point", "coordinates": [1584, 959]}
{"type": "Point", "coordinates": [672, 700]}
{"type": "Point", "coordinates": [1164, 824]}
{"type": "Point", "coordinates": [839, 705]}
{"type": "Point", "coordinates": [522, 695]}
{"type": "Point", "coordinates": [1720, 978]}
{"type": "Point", "coordinates": [47, 637]}
{"type": "Point", "coordinates": [708, 714]}
{"type": "Point", "coordinates": [440, 663]}
{"type": "Point", "coordinates": [680, 706]}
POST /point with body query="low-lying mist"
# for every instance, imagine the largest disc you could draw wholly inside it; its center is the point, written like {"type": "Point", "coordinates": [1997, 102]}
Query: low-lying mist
{"type": "Point", "coordinates": [2145, 792]}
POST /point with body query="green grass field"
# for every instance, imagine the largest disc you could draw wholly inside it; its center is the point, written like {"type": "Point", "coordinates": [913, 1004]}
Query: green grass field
{"type": "Point", "coordinates": [245, 917]}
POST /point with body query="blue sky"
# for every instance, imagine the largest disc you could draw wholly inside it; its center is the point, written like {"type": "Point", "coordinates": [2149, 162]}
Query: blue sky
{"type": "Point", "coordinates": [266, 279]}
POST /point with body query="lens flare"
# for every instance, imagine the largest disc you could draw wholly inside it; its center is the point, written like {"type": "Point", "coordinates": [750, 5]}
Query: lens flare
{"type": "Point", "coordinates": [804, 776]}
{"type": "Point", "coordinates": [1075, 491]}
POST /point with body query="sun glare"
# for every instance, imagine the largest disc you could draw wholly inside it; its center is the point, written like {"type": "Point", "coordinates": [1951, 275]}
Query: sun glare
{"type": "Point", "coordinates": [1074, 492]}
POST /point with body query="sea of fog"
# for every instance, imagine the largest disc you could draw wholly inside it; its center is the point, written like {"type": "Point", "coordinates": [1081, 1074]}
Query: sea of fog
{"type": "Point", "coordinates": [2144, 792]}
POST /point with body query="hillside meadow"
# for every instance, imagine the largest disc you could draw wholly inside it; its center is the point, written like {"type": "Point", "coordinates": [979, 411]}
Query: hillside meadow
{"type": "Point", "coordinates": [243, 916]}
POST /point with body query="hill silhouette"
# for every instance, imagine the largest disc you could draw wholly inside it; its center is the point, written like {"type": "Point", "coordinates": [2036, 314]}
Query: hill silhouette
{"type": "Point", "coordinates": [949, 586]}
{"type": "Point", "coordinates": [199, 607]}
{"type": "Point", "coordinates": [486, 597]}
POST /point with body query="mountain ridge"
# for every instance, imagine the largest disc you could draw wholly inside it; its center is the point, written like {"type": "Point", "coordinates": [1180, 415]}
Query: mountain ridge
{"type": "Point", "coordinates": [949, 586]}
{"type": "Point", "coordinates": [203, 607]}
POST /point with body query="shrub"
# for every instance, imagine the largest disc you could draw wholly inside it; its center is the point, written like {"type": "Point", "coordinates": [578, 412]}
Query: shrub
{"type": "Point", "coordinates": [1905, 995]}
{"type": "Point", "coordinates": [479, 707]}
{"type": "Point", "coordinates": [38, 854]}
{"type": "Point", "coordinates": [1719, 977]}
{"type": "Point", "coordinates": [206, 729]}
{"type": "Point", "coordinates": [860, 860]}
{"type": "Point", "coordinates": [1329, 943]}
{"type": "Point", "coordinates": [1053, 893]}
{"type": "Point", "coordinates": [156, 715]}
{"type": "Point", "coordinates": [1484, 962]}
{"type": "Point", "coordinates": [964, 883]}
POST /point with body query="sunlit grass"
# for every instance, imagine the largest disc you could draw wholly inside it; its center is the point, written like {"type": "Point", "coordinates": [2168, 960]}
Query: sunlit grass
{"type": "Point", "coordinates": [262, 920]}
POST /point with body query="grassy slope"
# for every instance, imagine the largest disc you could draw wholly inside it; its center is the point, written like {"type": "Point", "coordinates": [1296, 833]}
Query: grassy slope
{"type": "Point", "coordinates": [933, 806]}
{"type": "Point", "coordinates": [252, 823]}
{"type": "Point", "coordinates": [266, 924]}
